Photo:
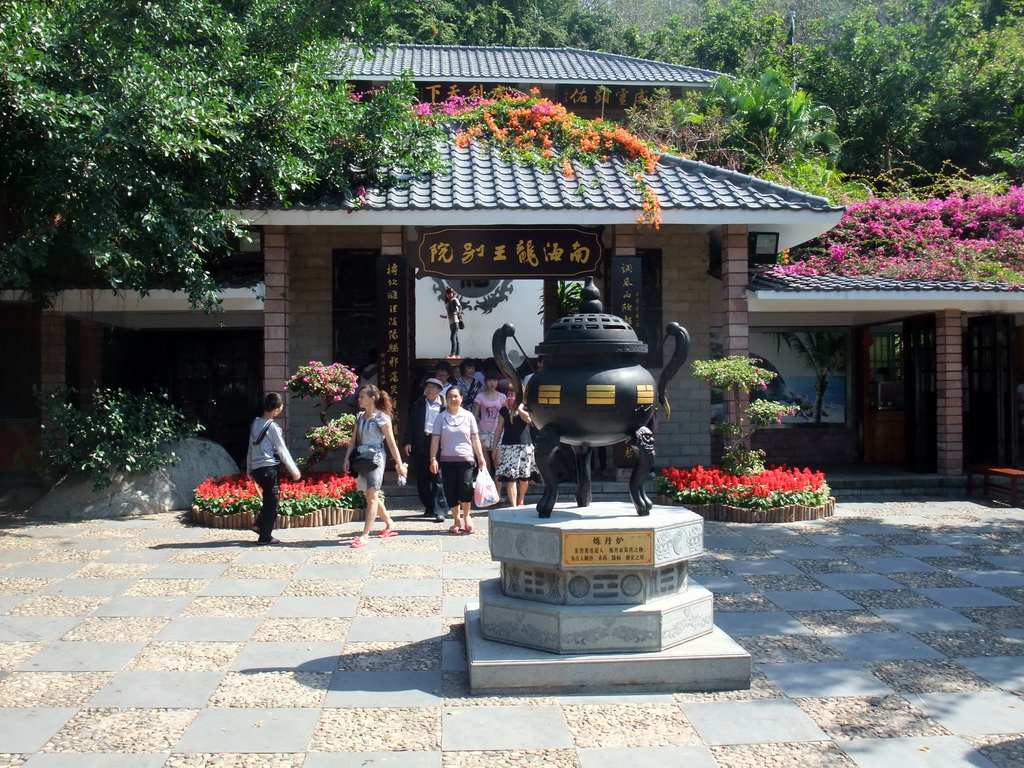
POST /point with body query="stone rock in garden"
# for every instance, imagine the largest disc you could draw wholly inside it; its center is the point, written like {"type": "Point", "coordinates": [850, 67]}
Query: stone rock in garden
{"type": "Point", "coordinates": [162, 490]}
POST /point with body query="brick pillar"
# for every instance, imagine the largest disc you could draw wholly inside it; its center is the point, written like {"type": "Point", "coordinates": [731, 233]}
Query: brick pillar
{"type": "Point", "coordinates": [736, 317]}
{"type": "Point", "coordinates": [949, 426]}
{"type": "Point", "coordinates": [625, 240]}
{"type": "Point", "coordinates": [90, 374]}
{"type": "Point", "coordinates": [52, 341]}
{"type": "Point", "coordinates": [391, 241]}
{"type": "Point", "coordinates": [52, 355]}
{"type": "Point", "coordinates": [276, 258]}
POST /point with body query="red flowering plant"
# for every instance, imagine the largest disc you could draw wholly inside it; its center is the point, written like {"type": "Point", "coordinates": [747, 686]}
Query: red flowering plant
{"type": "Point", "coordinates": [318, 490]}
{"type": "Point", "coordinates": [537, 131]}
{"type": "Point", "coordinates": [774, 487]}
{"type": "Point", "coordinates": [328, 384]}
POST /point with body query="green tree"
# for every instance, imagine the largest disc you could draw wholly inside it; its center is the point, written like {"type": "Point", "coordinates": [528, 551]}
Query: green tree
{"type": "Point", "coordinates": [128, 128]}
{"type": "Point", "coordinates": [762, 126]}
{"type": "Point", "coordinates": [543, 23]}
{"type": "Point", "coordinates": [737, 37]}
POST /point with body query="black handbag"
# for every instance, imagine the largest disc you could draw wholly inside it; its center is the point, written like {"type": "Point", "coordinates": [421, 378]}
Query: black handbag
{"type": "Point", "coordinates": [363, 461]}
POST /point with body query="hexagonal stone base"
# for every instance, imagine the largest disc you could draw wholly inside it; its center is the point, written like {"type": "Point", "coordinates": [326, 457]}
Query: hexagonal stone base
{"type": "Point", "coordinates": [654, 626]}
{"type": "Point", "coordinates": [713, 662]}
{"type": "Point", "coordinates": [669, 535]}
{"type": "Point", "coordinates": [593, 586]}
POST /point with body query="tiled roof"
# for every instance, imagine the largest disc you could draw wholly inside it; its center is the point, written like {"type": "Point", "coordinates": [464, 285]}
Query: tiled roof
{"type": "Point", "coordinates": [796, 284]}
{"type": "Point", "coordinates": [480, 179]}
{"type": "Point", "coordinates": [502, 64]}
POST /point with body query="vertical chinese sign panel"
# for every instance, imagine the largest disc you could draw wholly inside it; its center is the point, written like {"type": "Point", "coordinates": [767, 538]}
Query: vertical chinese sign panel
{"type": "Point", "coordinates": [625, 279]}
{"type": "Point", "coordinates": [393, 328]}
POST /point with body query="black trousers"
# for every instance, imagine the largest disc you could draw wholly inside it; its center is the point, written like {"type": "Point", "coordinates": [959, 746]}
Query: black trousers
{"type": "Point", "coordinates": [428, 485]}
{"type": "Point", "coordinates": [268, 479]}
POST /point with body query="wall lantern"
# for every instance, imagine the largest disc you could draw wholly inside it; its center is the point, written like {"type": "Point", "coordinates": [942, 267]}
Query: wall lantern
{"type": "Point", "coordinates": [762, 248]}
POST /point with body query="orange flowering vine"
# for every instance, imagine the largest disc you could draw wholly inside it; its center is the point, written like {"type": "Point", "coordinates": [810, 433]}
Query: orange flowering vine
{"type": "Point", "coordinates": [537, 131]}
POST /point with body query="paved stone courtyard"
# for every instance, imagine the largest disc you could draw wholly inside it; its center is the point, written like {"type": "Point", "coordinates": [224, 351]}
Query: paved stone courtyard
{"type": "Point", "coordinates": [891, 634]}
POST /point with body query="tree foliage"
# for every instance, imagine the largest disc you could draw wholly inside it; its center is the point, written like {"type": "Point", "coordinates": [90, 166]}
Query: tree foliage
{"type": "Point", "coordinates": [127, 128]}
{"type": "Point", "coordinates": [913, 84]}
{"type": "Point", "coordinates": [543, 23]}
{"type": "Point", "coordinates": [762, 126]}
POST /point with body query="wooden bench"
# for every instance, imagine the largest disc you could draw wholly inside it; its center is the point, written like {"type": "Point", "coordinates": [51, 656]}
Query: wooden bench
{"type": "Point", "coordinates": [988, 485]}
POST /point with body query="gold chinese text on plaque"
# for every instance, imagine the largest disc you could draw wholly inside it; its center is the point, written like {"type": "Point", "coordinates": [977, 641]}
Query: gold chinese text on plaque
{"type": "Point", "coordinates": [607, 548]}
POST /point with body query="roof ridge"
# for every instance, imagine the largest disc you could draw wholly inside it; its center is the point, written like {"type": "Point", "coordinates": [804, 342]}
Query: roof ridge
{"type": "Point", "coordinates": [608, 54]}
{"type": "Point", "coordinates": [718, 171]}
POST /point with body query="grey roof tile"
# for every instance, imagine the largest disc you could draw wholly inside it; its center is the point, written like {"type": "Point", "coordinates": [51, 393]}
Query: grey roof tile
{"type": "Point", "coordinates": [479, 177]}
{"type": "Point", "coordinates": [504, 64]}
{"type": "Point", "coordinates": [770, 281]}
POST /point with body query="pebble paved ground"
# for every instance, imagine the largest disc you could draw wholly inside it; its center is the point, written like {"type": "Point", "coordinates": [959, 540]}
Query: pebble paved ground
{"type": "Point", "coordinates": [891, 634]}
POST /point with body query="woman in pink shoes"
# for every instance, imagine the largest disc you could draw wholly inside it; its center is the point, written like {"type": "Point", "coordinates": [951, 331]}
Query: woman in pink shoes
{"type": "Point", "coordinates": [372, 432]}
{"type": "Point", "coordinates": [454, 451]}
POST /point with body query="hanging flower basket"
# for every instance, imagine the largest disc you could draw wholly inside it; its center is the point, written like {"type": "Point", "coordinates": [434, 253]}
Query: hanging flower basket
{"type": "Point", "coordinates": [319, 499]}
{"type": "Point", "coordinates": [777, 495]}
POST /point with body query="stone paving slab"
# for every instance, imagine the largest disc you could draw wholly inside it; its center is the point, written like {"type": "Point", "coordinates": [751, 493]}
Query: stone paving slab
{"type": "Point", "coordinates": [892, 633]}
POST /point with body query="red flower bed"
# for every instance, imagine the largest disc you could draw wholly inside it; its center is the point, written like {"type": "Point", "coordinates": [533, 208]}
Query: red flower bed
{"type": "Point", "coordinates": [317, 490]}
{"type": "Point", "coordinates": [775, 487]}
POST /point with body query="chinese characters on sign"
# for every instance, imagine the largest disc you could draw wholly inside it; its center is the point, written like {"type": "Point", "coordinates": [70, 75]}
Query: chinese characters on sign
{"type": "Point", "coordinates": [491, 252]}
{"type": "Point", "coordinates": [608, 99]}
{"type": "Point", "coordinates": [625, 278]}
{"type": "Point", "coordinates": [607, 548]}
{"type": "Point", "coordinates": [392, 334]}
{"type": "Point", "coordinates": [435, 92]}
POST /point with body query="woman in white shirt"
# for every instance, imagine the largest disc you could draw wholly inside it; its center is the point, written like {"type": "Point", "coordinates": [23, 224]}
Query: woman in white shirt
{"type": "Point", "coordinates": [453, 447]}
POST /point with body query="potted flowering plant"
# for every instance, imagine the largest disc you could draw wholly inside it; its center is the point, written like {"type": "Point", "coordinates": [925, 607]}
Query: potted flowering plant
{"type": "Point", "coordinates": [742, 489]}
{"type": "Point", "coordinates": [327, 384]}
{"type": "Point", "coordinates": [319, 498]}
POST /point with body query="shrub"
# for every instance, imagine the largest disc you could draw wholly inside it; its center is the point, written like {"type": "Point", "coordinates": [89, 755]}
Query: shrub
{"type": "Point", "coordinates": [739, 374]}
{"type": "Point", "coordinates": [124, 433]}
{"type": "Point", "coordinates": [967, 236]}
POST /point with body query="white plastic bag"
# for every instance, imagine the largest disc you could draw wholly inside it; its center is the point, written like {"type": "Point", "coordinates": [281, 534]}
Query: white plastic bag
{"type": "Point", "coordinates": [485, 492]}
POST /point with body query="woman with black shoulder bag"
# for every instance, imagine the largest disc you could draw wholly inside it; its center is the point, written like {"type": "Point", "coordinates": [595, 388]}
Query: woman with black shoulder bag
{"type": "Point", "coordinates": [365, 457]}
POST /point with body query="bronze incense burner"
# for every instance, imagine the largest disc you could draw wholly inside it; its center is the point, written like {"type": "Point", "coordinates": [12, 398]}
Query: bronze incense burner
{"type": "Point", "coordinates": [591, 391]}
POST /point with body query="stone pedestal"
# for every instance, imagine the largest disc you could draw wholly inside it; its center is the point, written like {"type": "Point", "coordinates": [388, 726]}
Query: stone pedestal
{"type": "Point", "coordinates": [598, 598]}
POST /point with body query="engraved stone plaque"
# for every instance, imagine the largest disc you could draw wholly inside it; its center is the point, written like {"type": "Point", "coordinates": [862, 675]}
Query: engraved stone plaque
{"type": "Point", "coordinates": [601, 549]}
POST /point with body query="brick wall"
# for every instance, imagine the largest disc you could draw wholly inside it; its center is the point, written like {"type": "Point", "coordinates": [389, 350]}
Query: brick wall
{"type": "Point", "coordinates": [310, 322]}
{"type": "Point", "coordinates": [808, 446]}
{"type": "Point", "coordinates": [684, 439]}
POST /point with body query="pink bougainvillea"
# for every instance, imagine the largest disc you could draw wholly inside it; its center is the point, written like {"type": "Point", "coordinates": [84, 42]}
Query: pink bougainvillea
{"type": "Point", "coordinates": [963, 237]}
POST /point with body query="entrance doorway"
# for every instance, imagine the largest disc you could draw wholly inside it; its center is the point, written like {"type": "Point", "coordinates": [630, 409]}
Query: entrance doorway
{"type": "Point", "coordinates": [212, 375]}
{"type": "Point", "coordinates": [990, 418]}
